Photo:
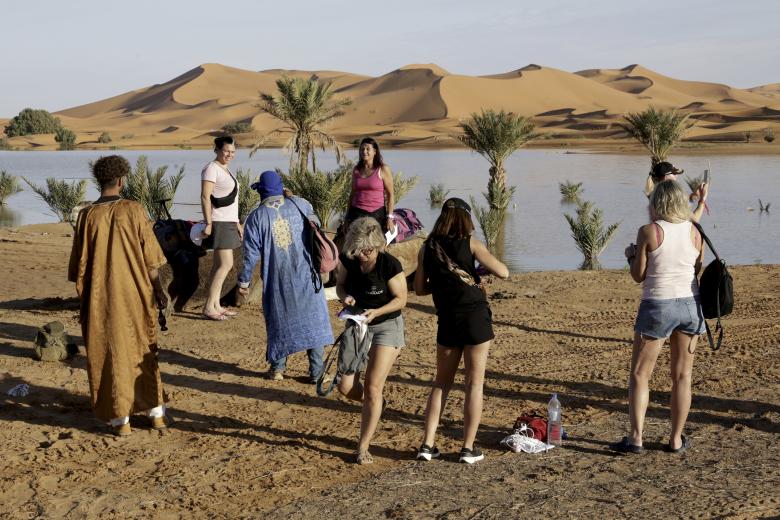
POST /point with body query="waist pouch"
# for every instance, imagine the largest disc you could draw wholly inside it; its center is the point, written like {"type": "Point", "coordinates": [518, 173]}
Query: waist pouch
{"type": "Point", "coordinates": [227, 200]}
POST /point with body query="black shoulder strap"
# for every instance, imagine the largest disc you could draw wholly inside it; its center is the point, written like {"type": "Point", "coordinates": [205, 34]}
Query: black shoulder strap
{"type": "Point", "coordinates": [315, 276]}
{"type": "Point", "coordinates": [706, 239]}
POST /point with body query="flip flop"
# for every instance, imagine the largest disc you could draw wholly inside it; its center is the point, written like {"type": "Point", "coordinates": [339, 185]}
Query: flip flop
{"type": "Point", "coordinates": [214, 317]}
{"type": "Point", "coordinates": [625, 446]}
{"type": "Point", "coordinates": [226, 312]}
{"type": "Point", "coordinates": [686, 443]}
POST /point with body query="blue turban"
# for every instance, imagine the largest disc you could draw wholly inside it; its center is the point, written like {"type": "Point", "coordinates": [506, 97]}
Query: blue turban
{"type": "Point", "coordinates": [270, 184]}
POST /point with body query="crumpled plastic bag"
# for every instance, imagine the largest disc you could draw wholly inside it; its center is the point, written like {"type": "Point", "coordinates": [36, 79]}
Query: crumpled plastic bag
{"type": "Point", "coordinates": [522, 440]}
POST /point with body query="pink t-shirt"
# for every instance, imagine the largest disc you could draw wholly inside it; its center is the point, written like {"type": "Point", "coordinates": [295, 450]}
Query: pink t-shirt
{"type": "Point", "coordinates": [224, 181]}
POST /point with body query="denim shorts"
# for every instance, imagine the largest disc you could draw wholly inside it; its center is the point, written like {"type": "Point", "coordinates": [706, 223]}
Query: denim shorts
{"type": "Point", "coordinates": [659, 318]}
{"type": "Point", "coordinates": [389, 333]}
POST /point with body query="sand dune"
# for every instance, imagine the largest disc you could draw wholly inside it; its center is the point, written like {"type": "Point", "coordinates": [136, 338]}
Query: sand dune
{"type": "Point", "coordinates": [420, 104]}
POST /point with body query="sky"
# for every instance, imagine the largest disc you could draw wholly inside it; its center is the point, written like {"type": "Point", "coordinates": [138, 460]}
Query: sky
{"type": "Point", "coordinates": [58, 55]}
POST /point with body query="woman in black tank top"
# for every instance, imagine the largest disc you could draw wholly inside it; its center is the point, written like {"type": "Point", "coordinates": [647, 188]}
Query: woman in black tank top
{"type": "Point", "coordinates": [446, 269]}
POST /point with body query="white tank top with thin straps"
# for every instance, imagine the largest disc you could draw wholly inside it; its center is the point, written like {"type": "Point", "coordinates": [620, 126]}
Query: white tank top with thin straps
{"type": "Point", "coordinates": [671, 268]}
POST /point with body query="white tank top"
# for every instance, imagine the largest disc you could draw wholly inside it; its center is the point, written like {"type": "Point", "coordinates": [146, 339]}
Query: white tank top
{"type": "Point", "coordinates": [671, 271]}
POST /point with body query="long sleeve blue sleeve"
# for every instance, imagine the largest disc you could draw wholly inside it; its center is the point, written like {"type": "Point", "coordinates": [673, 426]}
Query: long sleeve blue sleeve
{"type": "Point", "coordinates": [252, 249]}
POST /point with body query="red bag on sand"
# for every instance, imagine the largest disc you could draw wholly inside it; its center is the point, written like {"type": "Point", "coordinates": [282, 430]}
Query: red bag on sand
{"type": "Point", "coordinates": [537, 423]}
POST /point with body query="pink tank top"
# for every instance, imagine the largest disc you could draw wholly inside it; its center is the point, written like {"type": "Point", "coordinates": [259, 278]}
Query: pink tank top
{"type": "Point", "coordinates": [671, 267]}
{"type": "Point", "coordinates": [369, 192]}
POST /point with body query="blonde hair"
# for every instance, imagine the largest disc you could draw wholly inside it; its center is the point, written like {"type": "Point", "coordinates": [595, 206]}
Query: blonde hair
{"type": "Point", "coordinates": [669, 203]}
{"type": "Point", "coordinates": [364, 233]}
{"type": "Point", "coordinates": [649, 185]}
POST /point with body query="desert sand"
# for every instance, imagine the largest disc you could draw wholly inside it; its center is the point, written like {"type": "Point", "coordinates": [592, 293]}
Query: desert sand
{"type": "Point", "coordinates": [243, 446]}
{"type": "Point", "coordinates": [421, 105]}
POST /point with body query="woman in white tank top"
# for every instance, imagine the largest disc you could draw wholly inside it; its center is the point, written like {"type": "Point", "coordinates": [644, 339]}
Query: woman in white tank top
{"type": "Point", "coordinates": [666, 259]}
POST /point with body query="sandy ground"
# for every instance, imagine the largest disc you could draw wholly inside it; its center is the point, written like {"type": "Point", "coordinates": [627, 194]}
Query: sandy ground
{"type": "Point", "coordinates": [243, 446]}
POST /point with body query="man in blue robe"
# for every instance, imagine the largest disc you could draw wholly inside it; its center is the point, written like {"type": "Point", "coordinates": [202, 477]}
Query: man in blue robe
{"type": "Point", "coordinates": [296, 316]}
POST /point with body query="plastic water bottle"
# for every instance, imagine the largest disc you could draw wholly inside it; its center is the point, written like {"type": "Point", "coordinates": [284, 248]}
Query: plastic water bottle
{"type": "Point", "coordinates": [554, 428]}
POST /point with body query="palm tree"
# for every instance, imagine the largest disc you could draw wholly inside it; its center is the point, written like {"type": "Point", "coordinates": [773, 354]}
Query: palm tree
{"type": "Point", "coordinates": [152, 188]}
{"type": "Point", "coordinates": [658, 131]}
{"type": "Point", "coordinates": [589, 234]}
{"type": "Point", "coordinates": [61, 197]}
{"type": "Point", "coordinates": [496, 136]}
{"type": "Point", "coordinates": [305, 106]}
{"type": "Point", "coordinates": [9, 185]}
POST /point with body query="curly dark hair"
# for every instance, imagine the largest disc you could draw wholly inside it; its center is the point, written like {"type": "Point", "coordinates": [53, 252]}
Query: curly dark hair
{"type": "Point", "coordinates": [107, 170]}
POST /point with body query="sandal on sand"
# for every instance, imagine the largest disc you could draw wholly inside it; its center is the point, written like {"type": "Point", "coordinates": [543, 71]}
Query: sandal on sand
{"type": "Point", "coordinates": [625, 446]}
{"type": "Point", "coordinates": [363, 457]}
{"type": "Point", "coordinates": [216, 316]}
{"type": "Point", "coordinates": [226, 312]}
{"type": "Point", "coordinates": [686, 443]}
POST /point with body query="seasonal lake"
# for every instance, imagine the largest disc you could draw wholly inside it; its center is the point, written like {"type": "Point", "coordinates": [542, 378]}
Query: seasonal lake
{"type": "Point", "coordinates": [537, 236]}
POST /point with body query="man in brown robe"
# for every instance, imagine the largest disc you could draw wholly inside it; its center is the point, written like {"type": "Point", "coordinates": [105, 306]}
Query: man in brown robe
{"type": "Point", "coordinates": [114, 263]}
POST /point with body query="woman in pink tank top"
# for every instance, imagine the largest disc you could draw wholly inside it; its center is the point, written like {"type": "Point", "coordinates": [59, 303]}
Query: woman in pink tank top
{"type": "Point", "coordinates": [666, 259]}
{"type": "Point", "coordinates": [372, 187]}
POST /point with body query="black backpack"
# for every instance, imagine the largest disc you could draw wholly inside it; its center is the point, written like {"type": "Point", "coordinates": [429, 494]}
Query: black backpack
{"type": "Point", "coordinates": [716, 290]}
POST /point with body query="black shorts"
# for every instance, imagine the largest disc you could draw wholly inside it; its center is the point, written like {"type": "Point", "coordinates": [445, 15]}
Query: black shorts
{"type": "Point", "coordinates": [459, 329]}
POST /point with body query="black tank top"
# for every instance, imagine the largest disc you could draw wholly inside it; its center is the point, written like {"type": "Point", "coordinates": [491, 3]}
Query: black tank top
{"type": "Point", "coordinates": [450, 293]}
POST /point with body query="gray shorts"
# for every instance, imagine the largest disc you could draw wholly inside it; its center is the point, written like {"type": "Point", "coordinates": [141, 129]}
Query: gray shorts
{"type": "Point", "coordinates": [659, 318]}
{"type": "Point", "coordinates": [224, 235]}
{"type": "Point", "coordinates": [389, 333]}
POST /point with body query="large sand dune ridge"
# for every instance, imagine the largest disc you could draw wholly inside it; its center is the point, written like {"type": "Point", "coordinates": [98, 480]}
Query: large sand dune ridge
{"type": "Point", "coordinates": [420, 104]}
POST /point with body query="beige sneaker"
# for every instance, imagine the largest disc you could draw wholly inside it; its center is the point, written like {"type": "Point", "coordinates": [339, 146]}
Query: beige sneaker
{"type": "Point", "coordinates": [123, 430]}
{"type": "Point", "coordinates": [158, 423]}
{"type": "Point", "coordinates": [276, 375]}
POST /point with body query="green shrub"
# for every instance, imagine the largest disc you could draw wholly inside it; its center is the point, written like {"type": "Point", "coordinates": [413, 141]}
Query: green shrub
{"type": "Point", "coordinates": [247, 197]}
{"type": "Point", "coordinates": [149, 187]}
{"type": "Point", "coordinates": [104, 138]}
{"type": "Point", "coordinates": [127, 136]}
{"type": "Point", "coordinates": [61, 197]}
{"type": "Point", "coordinates": [328, 192]}
{"type": "Point", "coordinates": [66, 138]}
{"type": "Point", "coordinates": [570, 191]}
{"type": "Point", "coordinates": [589, 234]}
{"type": "Point", "coordinates": [5, 144]}
{"type": "Point", "coordinates": [239, 127]}
{"type": "Point", "coordinates": [32, 122]}
{"type": "Point", "coordinates": [9, 185]}
{"type": "Point", "coordinates": [769, 135]}
{"type": "Point", "coordinates": [437, 194]}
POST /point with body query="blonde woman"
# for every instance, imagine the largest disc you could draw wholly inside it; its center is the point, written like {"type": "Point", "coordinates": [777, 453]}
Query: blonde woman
{"type": "Point", "coordinates": [373, 281]}
{"type": "Point", "coordinates": [665, 259]}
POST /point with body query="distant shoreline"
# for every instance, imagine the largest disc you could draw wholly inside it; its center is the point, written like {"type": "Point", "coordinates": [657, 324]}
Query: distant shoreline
{"type": "Point", "coordinates": [579, 145]}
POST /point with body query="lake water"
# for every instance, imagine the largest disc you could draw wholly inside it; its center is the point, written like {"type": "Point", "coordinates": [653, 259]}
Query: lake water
{"type": "Point", "coordinates": [537, 236]}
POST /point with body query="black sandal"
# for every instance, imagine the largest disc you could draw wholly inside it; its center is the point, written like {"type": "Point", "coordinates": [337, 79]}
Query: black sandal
{"type": "Point", "coordinates": [625, 446]}
{"type": "Point", "coordinates": [686, 443]}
